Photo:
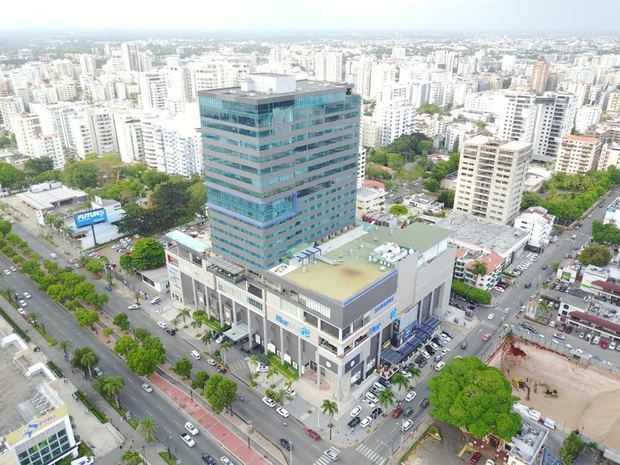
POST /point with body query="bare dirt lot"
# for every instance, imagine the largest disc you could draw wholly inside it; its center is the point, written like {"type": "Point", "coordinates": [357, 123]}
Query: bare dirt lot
{"type": "Point", "coordinates": [587, 398]}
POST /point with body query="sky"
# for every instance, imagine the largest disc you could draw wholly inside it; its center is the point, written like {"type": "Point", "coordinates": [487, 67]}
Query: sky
{"type": "Point", "coordinates": [579, 16]}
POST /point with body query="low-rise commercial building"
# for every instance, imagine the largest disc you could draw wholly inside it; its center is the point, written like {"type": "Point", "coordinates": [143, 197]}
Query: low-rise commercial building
{"type": "Point", "coordinates": [464, 268]}
{"type": "Point", "coordinates": [424, 203]}
{"type": "Point", "coordinates": [612, 214]}
{"type": "Point", "coordinates": [369, 200]}
{"type": "Point", "coordinates": [331, 310]}
{"type": "Point", "coordinates": [539, 223]}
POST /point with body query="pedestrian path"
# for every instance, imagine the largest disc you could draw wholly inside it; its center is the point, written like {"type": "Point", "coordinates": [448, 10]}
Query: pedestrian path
{"type": "Point", "coordinates": [229, 440]}
{"type": "Point", "coordinates": [370, 454]}
{"type": "Point", "coordinates": [488, 324]}
{"type": "Point", "coordinates": [323, 459]}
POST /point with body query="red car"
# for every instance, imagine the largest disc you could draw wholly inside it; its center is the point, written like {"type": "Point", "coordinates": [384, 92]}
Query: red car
{"type": "Point", "coordinates": [398, 411]}
{"type": "Point", "coordinates": [221, 369]}
{"type": "Point", "coordinates": [475, 458]}
{"type": "Point", "coordinates": [313, 434]}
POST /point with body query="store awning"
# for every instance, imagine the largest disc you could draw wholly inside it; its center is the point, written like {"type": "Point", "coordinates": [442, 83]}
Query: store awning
{"type": "Point", "coordinates": [237, 332]}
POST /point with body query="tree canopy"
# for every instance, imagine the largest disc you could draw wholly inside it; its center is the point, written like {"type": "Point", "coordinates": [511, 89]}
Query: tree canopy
{"type": "Point", "coordinates": [221, 392]}
{"type": "Point", "coordinates": [595, 254]}
{"type": "Point", "coordinates": [147, 253]}
{"type": "Point", "coordinates": [398, 209]}
{"type": "Point", "coordinates": [605, 233]}
{"type": "Point", "coordinates": [471, 395]}
{"type": "Point", "coordinates": [144, 358]}
{"type": "Point", "coordinates": [10, 177]}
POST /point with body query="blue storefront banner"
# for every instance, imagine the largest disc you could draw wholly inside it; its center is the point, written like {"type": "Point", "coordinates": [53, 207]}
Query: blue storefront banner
{"type": "Point", "coordinates": [88, 217]}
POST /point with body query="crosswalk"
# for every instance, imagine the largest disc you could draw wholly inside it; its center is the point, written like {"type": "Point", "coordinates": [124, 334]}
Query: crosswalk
{"type": "Point", "coordinates": [488, 324]}
{"type": "Point", "coordinates": [370, 454]}
{"type": "Point", "coordinates": [323, 459]}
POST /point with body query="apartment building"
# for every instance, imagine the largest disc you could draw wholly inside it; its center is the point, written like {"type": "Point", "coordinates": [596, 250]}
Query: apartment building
{"type": "Point", "coordinates": [491, 178]}
{"type": "Point", "coordinates": [578, 154]}
{"type": "Point", "coordinates": [539, 223]}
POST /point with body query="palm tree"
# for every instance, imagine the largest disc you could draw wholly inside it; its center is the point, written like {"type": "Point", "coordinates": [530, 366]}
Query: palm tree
{"type": "Point", "coordinates": [414, 370]}
{"type": "Point", "coordinates": [223, 349]}
{"type": "Point", "coordinates": [33, 317]}
{"type": "Point", "coordinates": [400, 381]}
{"type": "Point", "coordinates": [255, 359]}
{"type": "Point", "coordinates": [131, 457]}
{"type": "Point", "coordinates": [271, 371]}
{"type": "Point", "coordinates": [197, 323]}
{"type": "Point", "coordinates": [479, 268]}
{"type": "Point", "coordinates": [148, 428]}
{"type": "Point", "coordinates": [207, 338]}
{"type": "Point", "coordinates": [329, 408]}
{"type": "Point", "coordinates": [88, 359]}
{"type": "Point", "coordinates": [65, 345]}
{"type": "Point", "coordinates": [112, 387]}
{"type": "Point", "coordinates": [184, 313]}
{"type": "Point", "coordinates": [386, 398]}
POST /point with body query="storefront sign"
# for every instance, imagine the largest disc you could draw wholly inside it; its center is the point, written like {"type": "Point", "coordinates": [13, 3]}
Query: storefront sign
{"type": "Point", "coordinates": [86, 218]}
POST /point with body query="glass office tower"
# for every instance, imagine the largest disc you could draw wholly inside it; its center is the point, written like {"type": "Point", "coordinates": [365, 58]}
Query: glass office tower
{"type": "Point", "coordinates": [280, 161]}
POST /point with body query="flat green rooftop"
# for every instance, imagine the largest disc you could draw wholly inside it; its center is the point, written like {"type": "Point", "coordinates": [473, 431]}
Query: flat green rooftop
{"type": "Point", "coordinates": [347, 269]}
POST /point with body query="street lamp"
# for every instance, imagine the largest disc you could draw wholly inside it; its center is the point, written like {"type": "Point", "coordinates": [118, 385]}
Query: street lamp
{"type": "Point", "coordinates": [168, 445]}
{"type": "Point", "coordinates": [290, 453]}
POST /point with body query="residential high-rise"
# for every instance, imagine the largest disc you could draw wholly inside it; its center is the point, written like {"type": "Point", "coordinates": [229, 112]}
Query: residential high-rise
{"type": "Point", "coordinates": [491, 177]}
{"type": "Point", "coordinates": [540, 74]}
{"type": "Point", "coordinates": [610, 156]}
{"type": "Point", "coordinates": [578, 154]}
{"type": "Point", "coordinates": [518, 116]}
{"type": "Point", "coordinates": [88, 64]}
{"type": "Point", "coordinates": [128, 129]}
{"type": "Point", "coordinates": [153, 90]}
{"type": "Point", "coordinates": [613, 102]}
{"type": "Point", "coordinates": [103, 132]}
{"type": "Point", "coordinates": [9, 108]}
{"type": "Point", "coordinates": [130, 54]}
{"type": "Point", "coordinates": [26, 128]}
{"type": "Point", "coordinates": [329, 66]}
{"type": "Point", "coordinates": [281, 164]}
{"type": "Point", "coordinates": [49, 146]}
{"type": "Point", "coordinates": [554, 120]}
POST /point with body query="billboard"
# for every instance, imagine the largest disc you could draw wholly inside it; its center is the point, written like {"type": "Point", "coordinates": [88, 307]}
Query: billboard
{"type": "Point", "coordinates": [88, 217]}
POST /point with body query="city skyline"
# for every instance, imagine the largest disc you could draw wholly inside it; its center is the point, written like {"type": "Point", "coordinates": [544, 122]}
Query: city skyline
{"type": "Point", "coordinates": [471, 16]}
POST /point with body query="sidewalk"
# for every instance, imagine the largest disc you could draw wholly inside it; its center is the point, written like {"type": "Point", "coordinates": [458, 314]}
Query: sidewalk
{"type": "Point", "coordinates": [120, 435]}
{"type": "Point", "coordinates": [237, 446]}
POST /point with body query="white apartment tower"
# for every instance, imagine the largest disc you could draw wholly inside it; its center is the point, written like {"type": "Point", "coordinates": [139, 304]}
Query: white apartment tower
{"type": "Point", "coordinates": [103, 132]}
{"type": "Point", "coordinates": [554, 120]}
{"type": "Point", "coordinates": [578, 154]}
{"type": "Point", "coordinates": [9, 108]}
{"type": "Point", "coordinates": [329, 66]}
{"type": "Point", "coordinates": [518, 116]}
{"type": "Point", "coordinates": [26, 128]}
{"type": "Point", "coordinates": [491, 177]}
{"type": "Point", "coordinates": [49, 146]}
{"type": "Point", "coordinates": [130, 54]}
{"type": "Point", "coordinates": [153, 90]}
{"type": "Point", "coordinates": [129, 136]}
{"type": "Point", "coordinates": [88, 65]}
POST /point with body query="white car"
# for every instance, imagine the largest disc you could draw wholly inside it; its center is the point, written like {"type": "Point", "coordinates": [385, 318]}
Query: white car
{"type": "Point", "coordinates": [195, 355]}
{"type": "Point", "coordinates": [282, 412]}
{"type": "Point", "coordinates": [366, 401]}
{"type": "Point", "coordinates": [291, 392]}
{"type": "Point", "coordinates": [262, 369]}
{"type": "Point", "coordinates": [7, 272]}
{"type": "Point", "coordinates": [332, 454]}
{"type": "Point", "coordinates": [27, 295]}
{"type": "Point", "coordinates": [444, 351]}
{"type": "Point", "coordinates": [491, 316]}
{"type": "Point", "coordinates": [156, 300]}
{"type": "Point", "coordinates": [426, 355]}
{"type": "Point", "coordinates": [211, 362]}
{"type": "Point", "coordinates": [568, 346]}
{"type": "Point", "coordinates": [53, 255]}
{"type": "Point", "coordinates": [269, 402]}
{"type": "Point", "coordinates": [366, 422]}
{"type": "Point", "coordinates": [188, 440]}
{"type": "Point", "coordinates": [21, 311]}
{"type": "Point", "coordinates": [371, 396]}
{"type": "Point", "coordinates": [147, 387]}
{"type": "Point", "coordinates": [226, 461]}
{"type": "Point", "coordinates": [13, 269]}
{"type": "Point", "coordinates": [405, 373]}
{"type": "Point", "coordinates": [22, 303]}
{"type": "Point", "coordinates": [406, 426]}
{"type": "Point", "coordinates": [162, 324]}
{"type": "Point", "coordinates": [489, 462]}
{"type": "Point", "coordinates": [434, 346]}
{"type": "Point", "coordinates": [134, 307]}
{"type": "Point", "coordinates": [552, 324]}
{"type": "Point", "coordinates": [356, 411]}
{"type": "Point", "coordinates": [439, 366]}
{"type": "Point", "coordinates": [191, 428]}
{"type": "Point", "coordinates": [410, 396]}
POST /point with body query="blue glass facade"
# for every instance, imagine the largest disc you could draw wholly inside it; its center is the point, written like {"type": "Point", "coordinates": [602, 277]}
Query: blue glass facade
{"type": "Point", "coordinates": [281, 169]}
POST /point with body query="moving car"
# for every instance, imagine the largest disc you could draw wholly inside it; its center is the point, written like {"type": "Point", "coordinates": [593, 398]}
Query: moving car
{"type": "Point", "coordinates": [171, 331]}
{"type": "Point", "coordinates": [97, 372]}
{"type": "Point", "coordinates": [188, 440]}
{"type": "Point", "coordinates": [410, 396]}
{"type": "Point", "coordinates": [491, 316]}
{"type": "Point", "coordinates": [332, 454]}
{"type": "Point", "coordinates": [425, 403]}
{"type": "Point", "coordinates": [191, 428]}
{"type": "Point", "coordinates": [225, 460]}
{"type": "Point", "coordinates": [288, 445]}
{"type": "Point", "coordinates": [13, 268]}
{"type": "Point", "coordinates": [439, 366]}
{"type": "Point", "coordinates": [397, 412]}
{"type": "Point", "coordinates": [156, 300]}
{"type": "Point", "coordinates": [559, 336]}
{"type": "Point", "coordinates": [195, 355]}
{"type": "Point", "coordinates": [147, 387]}
{"type": "Point", "coordinates": [408, 411]}
{"type": "Point", "coordinates": [53, 255]}
{"type": "Point", "coordinates": [269, 402]}
{"type": "Point", "coordinates": [7, 272]}
{"type": "Point", "coordinates": [486, 337]}
{"type": "Point", "coordinates": [162, 324]}
{"type": "Point", "coordinates": [406, 426]}
{"type": "Point", "coordinates": [282, 412]}
{"type": "Point", "coordinates": [464, 346]}
{"type": "Point", "coordinates": [208, 460]}
{"type": "Point", "coordinates": [313, 434]}
{"type": "Point", "coordinates": [134, 307]}
{"type": "Point", "coordinates": [211, 362]}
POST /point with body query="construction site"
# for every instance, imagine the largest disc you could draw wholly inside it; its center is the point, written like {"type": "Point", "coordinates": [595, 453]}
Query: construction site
{"type": "Point", "coordinates": [572, 395]}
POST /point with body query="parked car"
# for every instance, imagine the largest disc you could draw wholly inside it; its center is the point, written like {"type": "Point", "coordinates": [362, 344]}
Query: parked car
{"type": "Point", "coordinates": [313, 434]}
{"type": "Point", "coordinates": [366, 401]}
{"type": "Point", "coordinates": [353, 422]}
{"type": "Point", "coordinates": [269, 402]}
{"type": "Point", "coordinates": [366, 422]}
{"type": "Point", "coordinates": [376, 412]}
{"type": "Point", "coordinates": [410, 396]}
{"type": "Point", "coordinates": [475, 458]}
{"type": "Point", "coordinates": [189, 426]}
{"type": "Point", "coordinates": [406, 426]}
{"type": "Point", "coordinates": [188, 440]}
{"type": "Point", "coordinates": [195, 355]}
{"type": "Point", "coordinates": [27, 295]}
{"type": "Point", "coordinates": [134, 307]}
{"type": "Point", "coordinates": [208, 460]}
{"type": "Point", "coordinates": [439, 366]}
{"type": "Point", "coordinates": [397, 412]}
{"type": "Point", "coordinates": [356, 411]}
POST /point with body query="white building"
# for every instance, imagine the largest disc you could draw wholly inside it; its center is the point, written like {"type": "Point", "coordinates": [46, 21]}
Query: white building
{"type": "Point", "coordinates": [586, 117]}
{"type": "Point", "coordinates": [394, 119]}
{"type": "Point", "coordinates": [88, 64]}
{"type": "Point", "coordinates": [371, 132]}
{"type": "Point", "coordinates": [369, 200]}
{"type": "Point", "coordinates": [539, 223]}
{"type": "Point", "coordinates": [56, 119]}
{"type": "Point", "coordinates": [81, 137]}
{"type": "Point", "coordinates": [554, 120]}
{"type": "Point", "coordinates": [49, 146]}
{"type": "Point", "coordinates": [26, 128]}
{"type": "Point", "coordinates": [214, 74]}
{"type": "Point", "coordinates": [610, 156]}
{"type": "Point", "coordinates": [578, 154]}
{"type": "Point", "coordinates": [128, 129]}
{"type": "Point", "coordinates": [9, 108]}
{"type": "Point", "coordinates": [329, 66]}
{"type": "Point", "coordinates": [103, 132]}
{"type": "Point", "coordinates": [491, 178]}
{"type": "Point", "coordinates": [361, 167]}
{"type": "Point", "coordinates": [518, 117]}
{"type": "Point", "coordinates": [612, 214]}
{"type": "Point", "coordinates": [130, 54]}
{"type": "Point", "coordinates": [153, 90]}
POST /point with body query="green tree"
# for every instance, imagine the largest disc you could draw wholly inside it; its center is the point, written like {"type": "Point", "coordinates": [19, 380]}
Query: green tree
{"type": "Point", "coordinates": [148, 428]}
{"type": "Point", "coordinates": [200, 380]}
{"type": "Point", "coordinates": [86, 317]}
{"type": "Point", "coordinates": [112, 386]}
{"type": "Point", "coordinates": [431, 185]}
{"type": "Point", "coordinates": [81, 175]}
{"type": "Point", "coordinates": [479, 268]}
{"type": "Point", "coordinates": [131, 457]}
{"type": "Point", "coordinates": [84, 358]}
{"type": "Point", "coordinates": [5, 226]}
{"type": "Point", "coordinates": [224, 347]}
{"type": "Point", "coordinates": [386, 398]}
{"type": "Point", "coordinates": [125, 344]}
{"type": "Point", "coordinates": [398, 209]}
{"type": "Point", "coordinates": [142, 334]}
{"type": "Point", "coordinates": [400, 381]}
{"type": "Point", "coordinates": [10, 177]}
{"type": "Point", "coordinates": [414, 370]}
{"type": "Point", "coordinates": [571, 448]}
{"type": "Point", "coordinates": [148, 253]}
{"type": "Point", "coordinates": [122, 321]}
{"type": "Point", "coordinates": [469, 394]}
{"type": "Point", "coordinates": [447, 198]}
{"type": "Point", "coordinates": [152, 178]}
{"type": "Point", "coordinates": [35, 166]}
{"type": "Point", "coordinates": [183, 368]}
{"type": "Point", "coordinates": [108, 331]}
{"type": "Point", "coordinates": [220, 392]}
{"type": "Point", "coordinates": [329, 408]}
{"type": "Point", "coordinates": [184, 313]}
{"type": "Point", "coordinates": [145, 359]}
{"type": "Point", "coordinates": [395, 161]}
{"type": "Point", "coordinates": [65, 345]}
{"type": "Point", "coordinates": [605, 233]}
{"type": "Point", "coordinates": [595, 254]}
{"type": "Point", "coordinates": [95, 266]}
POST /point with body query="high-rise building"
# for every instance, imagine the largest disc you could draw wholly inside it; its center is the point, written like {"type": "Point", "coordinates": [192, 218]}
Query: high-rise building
{"type": "Point", "coordinates": [518, 116]}
{"type": "Point", "coordinates": [56, 119]}
{"type": "Point", "coordinates": [130, 54]}
{"type": "Point", "coordinates": [81, 137]}
{"type": "Point", "coordinates": [613, 102]}
{"type": "Point", "coordinates": [26, 128]}
{"type": "Point", "coordinates": [329, 66]}
{"type": "Point", "coordinates": [394, 119]}
{"type": "Point", "coordinates": [9, 108]}
{"type": "Point", "coordinates": [49, 146]}
{"type": "Point", "coordinates": [610, 156]}
{"type": "Point", "coordinates": [540, 74]}
{"type": "Point", "coordinates": [88, 64]}
{"type": "Point", "coordinates": [491, 177]}
{"type": "Point", "coordinates": [554, 120]}
{"type": "Point", "coordinates": [128, 129]}
{"type": "Point", "coordinates": [586, 117]}
{"type": "Point", "coordinates": [153, 90]}
{"type": "Point", "coordinates": [103, 132]}
{"type": "Point", "coordinates": [281, 164]}
{"type": "Point", "coordinates": [578, 154]}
